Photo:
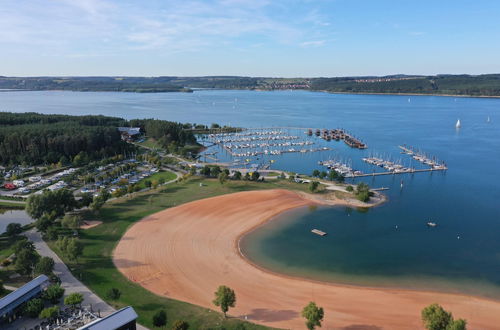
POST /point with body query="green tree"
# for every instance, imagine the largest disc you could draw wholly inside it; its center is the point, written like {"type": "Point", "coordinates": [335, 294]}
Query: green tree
{"type": "Point", "coordinates": [349, 189]}
{"type": "Point", "coordinates": [25, 261]}
{"type": "Point", "coordinates": [73, 299]}
{"type": "Point", "coordinates": [224, 298]}
{"type": "Point", "coordinates": [147, 183]}
{"type": "Point", "coordinates": [459, 324]}
{"type": "Point", "coordinates": [51, 233]}
{"type": "Point", "coordinates": [435, 317]}
{"type": "Point", "coordinates": [34, 307]}
{"type": "Point", "coordinates": [237, 175]}
{"type": "Point", "coordinates": [49, 313]}
{"type": "Point", "coordinates": [215, 171]}
{"type": "Point", "coordinates": [315, 173]}
{"type": "Point", "coordinates": [180, 325]}
{"type": "Point", "coordinates": [222, 177]}
{"type": "Point", "coordinates": [86, 199]}
{"type": "Point", "coordinates": [255, 176]}
{"type": "Point", "coordinates": [323, 175]}
{"type": "Point", "coordinates": [71, 221]}
{"type": "Point", "coordinates": [160, 319]}
{"type": "Point", "coordinates": [313, 186]}
{"type": "Point", "coordinates": [53, 293]}
{"type": "Point", "coordinates": [74, 249]}
{"type": "Point", "coordinates": [205, 170]}
{"type": "Point", "coordinates": [113, 294]}
{"type": "Point", "coordinates": [333, 175]}
{"type": "Point", "coordinates": [313, 315]}
{"type": "Point", "coordinates": [363, 192]}
{"type": "Point", "coordinates": [44, 266]}
{"type": "Point", "coordinates": [56, 202]}
{"type": "Point", "coordinates": [44, 223]}
{"type": "Point", "coordinates": [13, 229]}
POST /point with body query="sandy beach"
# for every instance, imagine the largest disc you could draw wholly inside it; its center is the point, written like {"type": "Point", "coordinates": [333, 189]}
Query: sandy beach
{"type": "Point", "coordinates": [187, 251]}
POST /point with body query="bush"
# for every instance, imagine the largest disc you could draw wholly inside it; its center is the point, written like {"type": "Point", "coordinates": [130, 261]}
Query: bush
{"type": "Point", "coordinates": [113, 294]}
{"type": "Point", "coordinates": [44, 266]}
{"type": "Point", "coordinates": [160, 319]}
{"type": "Point", "coordinates": [53, 293]}
{"type": "Point", "coordinates": [49, 313]}
{"type": "Point", "coordinates": [33, 307]}
{"type": "Point", "coordinates": [180, 325]}
{"type": "Point", "coordinates": [313, 186]}
{"type": "Point", "coordinates": [349, 188]}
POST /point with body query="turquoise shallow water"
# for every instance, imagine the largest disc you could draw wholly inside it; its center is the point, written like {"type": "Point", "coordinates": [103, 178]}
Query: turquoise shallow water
{"type": "Point", "coordinates": [361, 248]}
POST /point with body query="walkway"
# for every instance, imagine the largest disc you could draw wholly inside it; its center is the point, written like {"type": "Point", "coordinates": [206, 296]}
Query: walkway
{"type": "Point", "coordinates": [68, 281]}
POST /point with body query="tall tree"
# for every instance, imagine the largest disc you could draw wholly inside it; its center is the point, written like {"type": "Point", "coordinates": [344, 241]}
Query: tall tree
{"type": "Point", "coordinates": [224, 298]}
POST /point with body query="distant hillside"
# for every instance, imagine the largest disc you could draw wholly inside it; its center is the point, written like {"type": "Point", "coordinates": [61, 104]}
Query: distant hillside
{"type": "Point", "coordinates": [92, 84]}
{"type": "Point", "coordinates": [480, 85]}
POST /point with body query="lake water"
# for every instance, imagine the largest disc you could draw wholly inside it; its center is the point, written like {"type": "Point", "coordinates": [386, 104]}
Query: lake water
{"type": "Point", "coordinates": [13, 216]}
{"type": "Point", "coordinates": [462, 253]}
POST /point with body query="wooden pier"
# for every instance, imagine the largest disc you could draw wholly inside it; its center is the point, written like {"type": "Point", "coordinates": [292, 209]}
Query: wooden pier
{"type": "Point", "coordinates": [318, 232]}
{"type": "Point", "coordinates": [391, 173]}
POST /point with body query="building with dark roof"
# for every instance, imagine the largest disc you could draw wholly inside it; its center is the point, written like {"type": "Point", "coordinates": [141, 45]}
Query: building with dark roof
{"type": "Point", "coordinates": [123, 319]}
{"type": "Point", "coordinates": [10, 303]}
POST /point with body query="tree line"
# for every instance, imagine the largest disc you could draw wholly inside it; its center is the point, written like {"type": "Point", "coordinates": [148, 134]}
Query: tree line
{"type": "Point", "coordinates": [33, 138]}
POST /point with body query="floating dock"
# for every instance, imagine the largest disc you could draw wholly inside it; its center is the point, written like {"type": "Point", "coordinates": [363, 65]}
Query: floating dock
{"type": "Point", "coordinates": [318, 232]}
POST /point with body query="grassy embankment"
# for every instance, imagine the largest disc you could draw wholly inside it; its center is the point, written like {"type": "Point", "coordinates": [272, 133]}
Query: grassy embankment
{"type": "Point", "coordinates": [150, 143]}
{"type": "Point", "coordinates": [165, 175]}
{"type": "Point", "coordinates": [6, 204]}
{"type": "Point", "coordinates": [96, 269]}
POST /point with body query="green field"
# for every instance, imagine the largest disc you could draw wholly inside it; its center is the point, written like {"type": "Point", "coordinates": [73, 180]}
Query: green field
{"type": "Point", "coordinates": [151, 143]}
{"type": "Point", "coordinates": [11, 205]}
{"type": "Point", "coordinates": [96, 267]}
{"type": "Point", "coordinates": [165, 175]}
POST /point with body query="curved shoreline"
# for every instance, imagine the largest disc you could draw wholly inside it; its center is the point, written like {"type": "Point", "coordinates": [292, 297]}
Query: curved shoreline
{"type": "Point", "coordinates": [182, 271]}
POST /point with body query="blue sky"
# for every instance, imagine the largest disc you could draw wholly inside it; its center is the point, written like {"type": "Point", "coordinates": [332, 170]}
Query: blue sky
{"type": "Point", "coordinates": [289, 38]}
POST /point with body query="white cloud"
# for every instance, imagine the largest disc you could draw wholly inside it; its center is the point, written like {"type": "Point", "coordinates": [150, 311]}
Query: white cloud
{"type": "Point", "coordinates": [313, 43]}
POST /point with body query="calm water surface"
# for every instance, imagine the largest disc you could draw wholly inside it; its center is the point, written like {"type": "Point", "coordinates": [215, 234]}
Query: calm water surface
{"type": "Point", "coordinates": [13, 216]}
{"type": "Point", "coordinates": [462, 253]}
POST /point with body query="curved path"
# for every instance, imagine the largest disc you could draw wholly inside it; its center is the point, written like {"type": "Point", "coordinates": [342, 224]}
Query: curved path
{"type": "Point", "coordinates": [187, 251]}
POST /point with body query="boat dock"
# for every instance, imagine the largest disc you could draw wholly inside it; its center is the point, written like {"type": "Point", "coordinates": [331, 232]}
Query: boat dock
{"type": "Point", "coordinates": [318, 232]}
{"type": "Point", "coordinates": [408, 172]}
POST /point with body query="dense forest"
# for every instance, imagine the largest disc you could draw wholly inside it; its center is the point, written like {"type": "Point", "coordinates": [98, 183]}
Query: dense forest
{"type": "Point", "coordinates": [33, 138]}
{"type": "Point", "coordinates": [483, 85]}
{"type": "Point", "coordinates": [478, 85]}
{"type": "Point", "coordinates": [96, 84]}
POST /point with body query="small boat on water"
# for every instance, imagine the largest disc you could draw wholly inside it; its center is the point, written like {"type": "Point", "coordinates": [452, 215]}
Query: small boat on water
{"type": "Point", "coordinates": [488, 119]}
{"type": "Point", "coordinates": [431, 224]}
{"type": "Point", "coordinates": [458, 124]}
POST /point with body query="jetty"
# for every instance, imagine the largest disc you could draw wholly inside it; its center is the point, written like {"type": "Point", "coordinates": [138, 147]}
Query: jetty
{"type": "Point", "coordinates": [340, 134]}
{"type": "Point", "coordinates": [318, 232]}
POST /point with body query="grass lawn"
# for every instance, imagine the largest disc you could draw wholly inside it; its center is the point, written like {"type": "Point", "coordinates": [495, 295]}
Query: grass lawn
{"type": "Point", "coordinates": [11, 205]}
{"type": "Point", "coordinates": [151, 143]}
{"type": "Point", "coordinates": [165, 175]}
{"type": "Point", "coordinates": [96, 267]}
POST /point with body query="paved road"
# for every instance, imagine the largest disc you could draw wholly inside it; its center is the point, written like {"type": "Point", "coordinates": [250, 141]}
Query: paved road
{"type": "Point", "coordinates": [68, 281]}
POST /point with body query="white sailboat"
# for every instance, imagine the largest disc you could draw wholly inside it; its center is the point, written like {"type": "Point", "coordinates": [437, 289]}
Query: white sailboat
{"type": "Point", "coordinates": [488, 120]}
{"type": "Point", "coordinates": [458, 124]}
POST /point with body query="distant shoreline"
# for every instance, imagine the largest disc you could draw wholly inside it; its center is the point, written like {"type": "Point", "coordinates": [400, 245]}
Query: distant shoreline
{"type": "Point", "coordinates": [193, 90]}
